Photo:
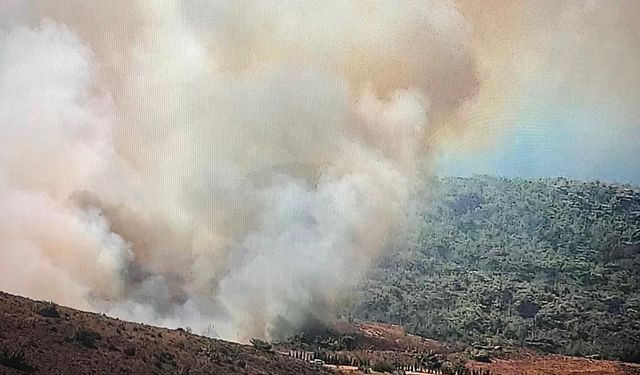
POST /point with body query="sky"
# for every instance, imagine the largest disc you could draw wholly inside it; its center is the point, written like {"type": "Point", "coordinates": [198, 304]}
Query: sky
{"type": "Point", "coordinates": [559, 92]}
{"type": "Point", "coordinates": [549, 141]}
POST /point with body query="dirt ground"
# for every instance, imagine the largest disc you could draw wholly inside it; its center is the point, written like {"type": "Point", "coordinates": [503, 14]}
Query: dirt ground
{"type": "Point", "coordinates": [74, 342]}
{"type": "Point", "coordinates": [63, 345]}
{"type": "Point", "coordinates": [556, 365]}
{"type": "Point", "coordinates": [391, 342]}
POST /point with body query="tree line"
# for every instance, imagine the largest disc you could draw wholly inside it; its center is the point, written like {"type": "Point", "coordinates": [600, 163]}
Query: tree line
{"type": "Point", "coordinates": [549, 263]}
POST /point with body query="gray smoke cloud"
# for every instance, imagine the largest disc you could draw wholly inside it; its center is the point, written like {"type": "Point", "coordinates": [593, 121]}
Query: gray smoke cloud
{"type": "Point", "coordinates": [232, 166]}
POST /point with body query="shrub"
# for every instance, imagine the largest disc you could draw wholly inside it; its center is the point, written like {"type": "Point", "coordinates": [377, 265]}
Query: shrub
{"type": "Point", "coordinates": [481, 356]}
{"type": "Point", "coordinates": [453, 368]}
{"type": "Point", "coordinates": [15, 359]}
{"type": "Point", "coordinates": [86, 337]}
{"type": "Point", "coordinates": [383, 366]}
{"type": "Point", "coordinates": [46, 309]}
{"type": "Point", "coordinates": [130, 351]}
{"type": "Point", "coordinates": [261, 345]}
{"type": "Point", "coordinates": [164, 359]}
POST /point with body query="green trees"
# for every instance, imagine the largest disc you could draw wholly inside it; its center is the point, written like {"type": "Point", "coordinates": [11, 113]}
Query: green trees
{"type": "Point", "coordinates": [261, 345]}
{"type": "Point", "coordinates": [548, 263]}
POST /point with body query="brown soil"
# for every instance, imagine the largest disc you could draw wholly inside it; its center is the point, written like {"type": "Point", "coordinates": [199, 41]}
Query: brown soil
{"type": "Point", "coordinates": [385, 342]}
{"type": "Point", "coordinates": [380, 336]}
{"type": "Point", "coordinates": [63, 345]}
{"type": "Point", "coordinates": [537, 364]}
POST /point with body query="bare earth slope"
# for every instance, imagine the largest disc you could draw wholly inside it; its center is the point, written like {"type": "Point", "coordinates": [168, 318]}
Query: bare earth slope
{"type": "Point", "coordinates": [78, 342]}
{"type": "Point", "coordinates": [41, 338]}
{"type": "Point", "coordinates": [555, 364]}
{"type": "Point", "coordinates": [380, 342]}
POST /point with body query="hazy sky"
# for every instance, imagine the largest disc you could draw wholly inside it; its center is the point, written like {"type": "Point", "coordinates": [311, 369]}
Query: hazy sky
{"type": "Point", "coordinates": [551, 141]}
{"type": "Point", "coordinates": [560, 92]}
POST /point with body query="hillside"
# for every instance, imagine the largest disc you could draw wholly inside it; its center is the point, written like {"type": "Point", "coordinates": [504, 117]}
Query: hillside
{"type": "Point", "coordinates": [42, 338]}
{"type": "Point", "coordinates": [552, 264]}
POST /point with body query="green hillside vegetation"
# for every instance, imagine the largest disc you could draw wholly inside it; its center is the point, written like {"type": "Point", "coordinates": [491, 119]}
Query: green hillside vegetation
{"type": "Point", "coordinates": [552, 264]}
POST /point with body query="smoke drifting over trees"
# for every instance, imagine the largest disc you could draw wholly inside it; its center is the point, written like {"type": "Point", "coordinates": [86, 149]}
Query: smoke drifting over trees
{"type": "Point", "coordinates": [235, 164]}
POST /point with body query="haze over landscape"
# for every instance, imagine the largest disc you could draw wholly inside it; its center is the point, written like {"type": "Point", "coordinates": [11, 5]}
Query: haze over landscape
{"type": "Point", "coordinates": [242, 167]}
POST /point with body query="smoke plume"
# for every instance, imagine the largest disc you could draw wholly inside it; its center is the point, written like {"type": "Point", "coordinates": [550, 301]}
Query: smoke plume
{"type": "Point", "coordinates": [229, 166]}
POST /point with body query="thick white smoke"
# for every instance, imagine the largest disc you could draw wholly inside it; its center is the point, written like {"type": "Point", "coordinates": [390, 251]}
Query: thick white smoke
{"type": "Point", "coordinates": [233, 166]}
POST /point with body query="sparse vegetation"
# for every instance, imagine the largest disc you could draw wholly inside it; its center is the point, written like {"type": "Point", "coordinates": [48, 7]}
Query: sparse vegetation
{"type": "Point", "coordinates": [130, 351]}
{"type": "Point", "coordinates": [430, 361]}
{"type": "Point", "coordinates": [261, 345]}
{"type": "Point", "coordinates": [383, 366]}
{"type": "Point", "coordinates": [120, 348]}
{"type": "Point", "coordinates": [324, 339]}
{"type": "Point", "coordinates": [164, 363]}
{"type": "Point", "coordinates": [46, 309]}
{"type": "Point", "coordinates": [550, 264]}
{"type": "Point", "coordinates": [480, 356]}
{"type": "Point", "coordinates": [86, 337]}
{"type": "Point", "coordinates": [454, 368]}
{"type": "Point", "coordinates": [15, 359]}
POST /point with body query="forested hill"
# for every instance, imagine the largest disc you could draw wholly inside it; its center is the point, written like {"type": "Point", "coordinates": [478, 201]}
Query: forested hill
{"type": "Point", "coordinates": [551, 263]}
